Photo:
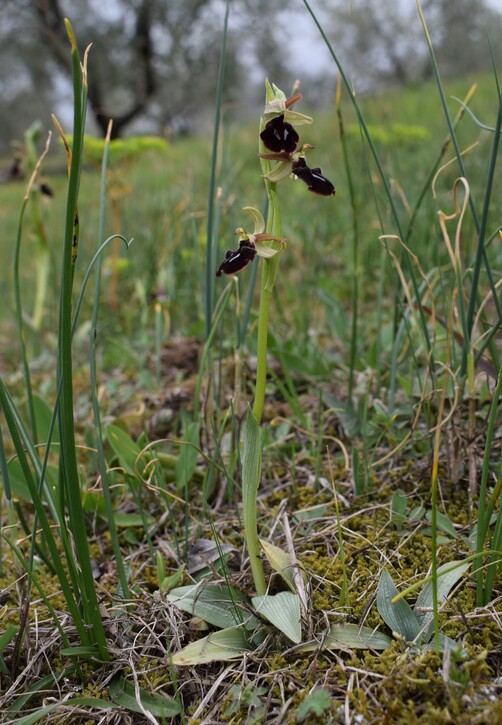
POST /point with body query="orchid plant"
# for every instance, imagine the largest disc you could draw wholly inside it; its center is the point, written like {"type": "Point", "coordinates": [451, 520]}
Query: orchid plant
{"type": "Point", "coordinates": [223, 606]}
{"type": "Point", "coordinates": [281, 156]}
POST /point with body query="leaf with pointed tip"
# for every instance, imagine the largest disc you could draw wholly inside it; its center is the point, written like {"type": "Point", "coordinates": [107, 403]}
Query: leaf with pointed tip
{"type": "Point", "coordinates": [227, 644]}
{"type": "Point", "coordinates": [349, 636]}
{"type": "Point", "coordinates": [356, 637]}
{"type": "Point", "coordinates": [447, 576]}
{"type": "Point", "coordinates": [280, 562]}
{"type": "Point", "coordinates": [124, 694]}
{"type": "Point", "coordinates": [448, 643]}
{"type": "Point", "coordinates": [444, 524]}
{"type": "Point", "coordinates": [399, 615]}
{"type": "Point", "coordinates": [205, 552]}
{"type": "Point", "coordinates": [127, 451]}
{"type": "Point", "coordinates": [283, 611]}
{"type": "Point", "coordinates": [43, 712]}
{"type": "Point", "coordinates": [217, 604]}
{"type": "Point", "coordinates": [187, 459]}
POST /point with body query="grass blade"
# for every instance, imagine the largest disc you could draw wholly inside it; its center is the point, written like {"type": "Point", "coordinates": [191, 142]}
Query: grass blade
{"type": "Point", "coordinates": [211, 242]}
{"type": "Point", "coordinates": [69, 476]}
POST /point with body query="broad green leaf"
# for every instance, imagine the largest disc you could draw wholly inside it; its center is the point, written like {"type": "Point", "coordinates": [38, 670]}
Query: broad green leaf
{"type": "Point", "coordinates": [280, 562]}
{"type": "Point", "coordinates": [283, 611]}
{"type": "Point", "coordinates": [17, 480]}
{"type": "Point", "coordinates": [7, 635]}
{"type": "Point", "coordinates": [355, 637]}
{"type": "Point", "coordinates": [448, 642]}
{"type": "Point", "coordinates": [349, 636]}
{"type": "Point", "coordinates": [123, 693]}
{"type": "Point", "coordinates": [444, 524]}
{"type": "Point", "coordinates": [416, 513]}
{"type": "Point", "coordinates": [440, 538]}
{"type": "Point", "coordinates": [93, 502]}
{"type": "Point", "coordinates": [399, 506]}
{"type": "Point", "coordinates": [169, 582]}
{"type": "Point", "coordinates": [398, 616]}
{"type": "Point", "coordinates": [5, 638]}
{"type": "Point", "coordinates": [43, 418]}
{"type": "Point", "coordinates": [18, 484]}
{"type": "Point", "coordinates": [42, 713]}
{"type": "Point", "coordinates": [227, 644]}
{"type": "Point", "coordinates": [251, 464]}
{"type": "Point", "coordinates": [187, 460]}
{"type": "Point", "coordinates": [44, 683]}
{"type": "Point", "coordinates": [126, 521]}
{"type": "Point", "coordinates": [127, 451]}
{"type": "Point", "coordinates": [307, 517]}
{"type": "Point", "coordinates": [217, 604]}
{"type": "Point", "coordinates": [316, 703]}
{"type": "Point", "coordinates": [447, 576]}
{"type": "Point", "coordinates": [251, 474]}
{"type": "Point", "coordinates": [205, 555]}
{"type": "Point", "coordinates": [80, 651]}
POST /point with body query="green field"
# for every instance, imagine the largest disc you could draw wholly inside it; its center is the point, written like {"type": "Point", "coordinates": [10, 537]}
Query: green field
{"type": "Point", "coordinates": [379, 441]}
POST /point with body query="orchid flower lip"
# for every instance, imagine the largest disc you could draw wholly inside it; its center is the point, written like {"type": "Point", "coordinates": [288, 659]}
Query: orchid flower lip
{"type": "Point", "coordinates": [236, 261]}
{"type": "Point", "coordinates": [316, 182]}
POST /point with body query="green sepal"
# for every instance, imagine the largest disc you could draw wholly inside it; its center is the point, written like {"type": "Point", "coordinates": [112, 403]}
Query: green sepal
{"type": "Point", "coordinates": [279, 172]}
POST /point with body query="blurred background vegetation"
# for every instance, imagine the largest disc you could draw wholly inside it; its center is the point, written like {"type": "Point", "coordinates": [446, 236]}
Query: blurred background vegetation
{"type": "Point", "coordinates": [153, 64]}
{"type": "Point", "coordinates": [153, 68]}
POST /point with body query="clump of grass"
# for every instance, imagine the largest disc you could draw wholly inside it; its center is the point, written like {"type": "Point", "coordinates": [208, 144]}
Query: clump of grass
{"type": "Point", "coordinates": [58, 504]}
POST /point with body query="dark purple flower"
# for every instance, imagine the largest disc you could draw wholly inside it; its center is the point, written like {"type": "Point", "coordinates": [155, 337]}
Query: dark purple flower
{"type": "Point", "coordinates": [314, 179]}
{"type": "Point", "coordinates": [235, 261]}
{"type": "Point", "coordinates": [279, 135]}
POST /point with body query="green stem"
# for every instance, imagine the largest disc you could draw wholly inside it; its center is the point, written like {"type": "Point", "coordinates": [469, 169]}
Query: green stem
{"type": "Point", "coordinates": [269, 274]}
{"type": "Point", "coordinates": [251, 455]}
{"type": "Point", "coordinates": [105, 477]}
{"type": "Point", "coordinates": [261, 364]}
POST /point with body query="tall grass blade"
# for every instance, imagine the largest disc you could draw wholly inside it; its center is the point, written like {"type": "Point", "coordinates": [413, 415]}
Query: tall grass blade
{"type": "Point", "coordinates": [211, 242]}
{"type": "Point", "coordinates": [480, 226]}
{"type": "Point", "coordinates": [383, 176]}
{"type": "Point", "coordinates": [484, 590]}
{"type": "Point", "coordinates": [17, 294]}
{"type": "Point", "coordinates": [69, 477]}
{"type": "Point", "coordinates": [10, 418]}
{"type": "Point", "coordinates": [355, 240]}
{"type": "Point", "coordinates": [103, 468]}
